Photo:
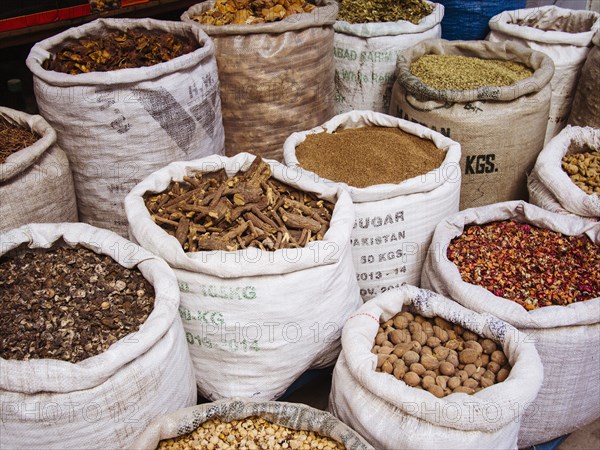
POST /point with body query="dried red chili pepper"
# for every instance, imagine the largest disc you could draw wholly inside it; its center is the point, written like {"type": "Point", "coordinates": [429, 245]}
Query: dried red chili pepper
{"type": "Point", "coordinates": [532, 266]}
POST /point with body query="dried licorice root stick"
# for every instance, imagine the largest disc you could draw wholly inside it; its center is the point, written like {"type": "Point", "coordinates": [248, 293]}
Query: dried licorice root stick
{"type": "Point", "coordinates": [210, 211]}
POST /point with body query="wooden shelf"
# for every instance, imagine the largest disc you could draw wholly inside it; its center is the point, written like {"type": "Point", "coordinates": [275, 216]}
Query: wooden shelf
{"type": "Point", "coordinates": [37, 33]}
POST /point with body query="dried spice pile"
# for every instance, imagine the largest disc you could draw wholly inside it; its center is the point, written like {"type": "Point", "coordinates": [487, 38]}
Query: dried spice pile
{"type": "Point", "coordinates": [13, 138]}
{"type": "Point", "coordinates": [367, 156]}
{"type": "Point", "coordinates": [532, 266]}
{"type": "Point", "coordinates": [67, 303]}
{"type": "Point", "coordinates": [437, 356]}
{"type": "Point", "coordinates": [465, 72]}
{"type": "Point", "coordinates": [250, 12]}
{"type": "Point", "coordinates": [360, 11]}
{"type": "Point", "coordinates": [252, 433]}
{"type": "Point", "coordinates": [211, 211]}
{"type": "Point", "coordinates": [119, 50]}
{"type": "Point", "coordinates": [584, 169]}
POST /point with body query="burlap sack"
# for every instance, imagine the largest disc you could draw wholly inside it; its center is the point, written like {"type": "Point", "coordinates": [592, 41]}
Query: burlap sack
{"type": "Point", "coordinates": [550, 186]}
{"type": "Point", "coordinates": [256, 320]}
{"type": "Point", "coordinates": [563, 335]}
{"type": "Point", "coordinates": [563, 34]}
{"type": "Point", "coordinates": [366, 54]}
{"type": "Point", "coordinates": [119, 126]}
{"type": "Point", "coordinates": [392, 230]}
{"type": "Point", "coordinates": [391, 415]}
{"type": "Point", "coordinates": [275, 78]}
{"type": "Point", "coordinates": [586, 104]}
{"type": "Point", "coordinates": [292, 415]}
{"type": "Point", "coordinates": [107, 400]}
{"type": "Point", "coordinates": [500, 129]}
{"type": "Point", "coordinates": [36, 184]}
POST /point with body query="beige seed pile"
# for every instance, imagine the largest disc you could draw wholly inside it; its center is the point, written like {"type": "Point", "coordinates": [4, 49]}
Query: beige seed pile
{"type": "Point", "coordinates": [437, 356]}
{"type": "Point", "coordinates": [464, 73]}
{"type": "Point", "coordinates": [252, 433]}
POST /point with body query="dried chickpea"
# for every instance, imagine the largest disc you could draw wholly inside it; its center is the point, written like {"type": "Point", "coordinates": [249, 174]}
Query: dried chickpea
{"type": "Point", "coordinates": [412, 379]}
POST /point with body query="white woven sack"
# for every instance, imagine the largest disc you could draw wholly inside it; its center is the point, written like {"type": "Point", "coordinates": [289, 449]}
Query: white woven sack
{"type": "Point", "coordinates": [563, 335]}
{"type": "Point", "coordinates": [392, 229]}
{"type": "Point", "coordinates": [555, 182]}
{"type": "Point", "coordinates": [366, 54]}
{"type": "Point", "coordinates": [256, 320]}
{"type": "Point", "coordinates": [117, 127]}
{"type": "Point", "coordinates": [291, 415]}
{"type": "Point", "coordinates": [563, 34]}
{"type": "Point", "coordinates": [389, 414]}
{"type": "Point", "coordinates": [107, 400]}
{"type": "Point", "coordinates": [36, 184]}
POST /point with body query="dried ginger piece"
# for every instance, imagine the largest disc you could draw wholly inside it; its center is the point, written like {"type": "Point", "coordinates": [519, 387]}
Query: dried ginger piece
{"type": "Point", "coordinates": [251, 12]}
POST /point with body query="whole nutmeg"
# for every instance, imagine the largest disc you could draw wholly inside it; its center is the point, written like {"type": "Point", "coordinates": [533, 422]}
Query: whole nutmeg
{"type": "Point", "coordinates": [440, 333]}
{"type": "Point", "coordinates": [464, 390]}
{"type": "Point", "coordinates": [469, 335]}
{"type": "Point", "coordinates": [386, 350]}
{"type": "Point", "coordinates": [396, 336]}
{"type": "Point", "coordinates": [426, 350]}
{"type": "Point", "coordinates": [452, 344]}
{"type": "Point", "coordinates": [470, 383]}
{"type": "Point", "coordinates": [417, 368]}
{"type": "Point", "coordinates": [427, 382]}
{"type": "Point", "coordinates": [400, 322]}
{"type": "Point", "coordinates": [401, 349]}
{"type": "Point", "coordinates": [470, 369]}
{"type": "Point", "coordinates": [475, 346]}
{"type": "Point", "coordinates": [437, 391]}
{"type": "Point", "coordinates": [429, 362]}
{"type": "Point", "coordinates": [412, 379]}
{"type": "Point", "coordinates": [442, 381]}
{"type": "Point", "coordinates": [468, 356]}
{"type": "Point", "coordinates": [493, 367]}
{"type": "Point", "coordinates": [486, 382]}
{"type": "Point", "coordinates": [440, 352]}
{"type": "Point", "coordinates": [499, 357]}
{"type": "Point", "coordinates": [399, 370]}
{"type": "Point", "coordinates": [427, 328]}
{"type": "Point", "coordinates": [387, 367]}
{"type": "Point", "coordinates": [416, 346]}
{"type": "Point", "coordinates": [413, 327]}
{"type": "Point", "coordinates": [420, 337]}
{"type": "Point", "coordinates": [442, 323]}
{"type": "Point", "coordinates": [447, 368]}
{"type": "Point", "coordinates": [478, 373]}
{"type": "Point", "coordinates": [433, 342]}
{"type": "Point", "coordinates": [502, 375]}
{"type": "Point", "coordinates": [410, 357]}
{"type": "Point", "coordinates": [488, 346]}
{"type": "Point", "coordinates": [431, 373]}
{"type": "Point", "coordinates": [454, 382]}
{"type": "Point", "coordinates": [452, 358]}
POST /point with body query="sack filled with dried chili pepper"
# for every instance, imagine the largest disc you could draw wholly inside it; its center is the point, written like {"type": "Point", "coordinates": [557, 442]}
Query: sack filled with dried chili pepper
{"type": "Point", "coordinates": [540, 272]}
{"type": "Point", "coordinates": [566, 175]}
{"type": "Point", "coordinates": [276, 68]}
{"type": "Point", "coordinates": [36, 183]}
{"type": "Point", "coordinates": [262, 255]}
{"type": "Point", "coordinates": [419, 371]}
{"type": "Point", "coordinates": [126, 97]}
{"type": "Point", "coordinates": [92, 348]}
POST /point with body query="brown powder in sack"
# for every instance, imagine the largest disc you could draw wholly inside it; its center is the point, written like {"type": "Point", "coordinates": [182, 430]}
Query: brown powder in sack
{"type": "Point", "coordinates": [367, 156]}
